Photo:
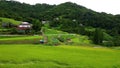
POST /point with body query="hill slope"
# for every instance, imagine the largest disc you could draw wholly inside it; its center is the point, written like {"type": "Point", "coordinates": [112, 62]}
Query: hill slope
{"type": "Point", "coordinates": [8, 20]}
{"type": "Point", "coordinates": [72, 11]}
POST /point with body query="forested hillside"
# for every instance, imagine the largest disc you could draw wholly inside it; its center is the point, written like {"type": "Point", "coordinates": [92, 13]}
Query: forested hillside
{"type": "Point", "coordinates": [68, 17]}
{"type": "Point", "coordinates": [22, 11]}
{"type": "Point", "coordinates": [68, 10]}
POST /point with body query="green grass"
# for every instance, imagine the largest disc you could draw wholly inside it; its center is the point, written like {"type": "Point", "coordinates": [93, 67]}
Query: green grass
{"type": "Point", "coordinates": [53, 31]}
{"type": "Point", "coordinates": [4, 30]}
{"type": "Point", "coordinates": [19, 39]}
{"type": "Point", "coordinates": [38, 56]}
{"type": "Point", "coordinates": [79, 39]}
{"type": "Point", "coordinates": [10, 20]}
{"type": "Point", "coordinates": [5, 37]}
{"type": "Point", "coordinates": [53, 34]}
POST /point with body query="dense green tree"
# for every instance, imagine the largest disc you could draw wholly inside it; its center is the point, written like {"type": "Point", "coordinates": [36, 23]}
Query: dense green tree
{"type": "Point", "coordinates": [81, 30]}
{"type": "Point", "coordinates": [116, 41]}
{"type": "Point", "coordinates": [98, 36]}
{"type": "Point", "coordinates": [36, 25]}
{"type": "Point", "coordinates": [114, 31]}
{"type": "Point", "coordinates": [0, 20]}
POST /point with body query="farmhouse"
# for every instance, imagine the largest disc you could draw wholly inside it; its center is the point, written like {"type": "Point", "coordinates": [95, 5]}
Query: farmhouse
{"type": "Point", "coordinates": [24, 26]}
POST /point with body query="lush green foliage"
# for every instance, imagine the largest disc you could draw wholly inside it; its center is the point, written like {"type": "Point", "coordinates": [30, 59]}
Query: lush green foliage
{"type": "Point", "coordinates": [22, 11]}
{"type": "Point", "coordinates": [36, 56]}
{"type": "Point", "coordinates": [60, 37]}
{"type": "Point", "coordinates": [98, 36]}
{"type": "Point", "coordinates": [37, 26]}
{"type": "Point", "coordinates": [68, 10]}
{"type": "Point", "coordinates": [8, 20]}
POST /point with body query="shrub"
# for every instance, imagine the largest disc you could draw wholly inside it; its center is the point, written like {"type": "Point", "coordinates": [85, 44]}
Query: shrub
{"type": "Point", "coordinates": [52, 40]}
{"type": "Point", "coordinates": [108, 43]}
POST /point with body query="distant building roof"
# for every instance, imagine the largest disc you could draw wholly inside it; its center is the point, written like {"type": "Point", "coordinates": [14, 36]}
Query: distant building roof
{"type": "Point", "coordinates": [25, 23]}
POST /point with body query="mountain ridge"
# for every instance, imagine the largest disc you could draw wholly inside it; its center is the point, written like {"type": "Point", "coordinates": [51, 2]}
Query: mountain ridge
{"type": "Point", "coordinates": [72, 11]}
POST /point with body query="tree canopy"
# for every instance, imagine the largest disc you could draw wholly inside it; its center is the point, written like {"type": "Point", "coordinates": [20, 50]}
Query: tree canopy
{"type": "Point", "coordinates": [65, 16]}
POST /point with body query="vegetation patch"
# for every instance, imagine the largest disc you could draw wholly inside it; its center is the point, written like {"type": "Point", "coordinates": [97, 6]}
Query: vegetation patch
{"type": "Point", "coordinates": [20, 39]}
{"type": "Point", "coordinates": [8, 20]}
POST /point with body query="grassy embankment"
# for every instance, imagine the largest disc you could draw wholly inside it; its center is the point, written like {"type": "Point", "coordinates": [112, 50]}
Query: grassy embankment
{"type": "Point", "coordinates": [7, 20]}
{"type": "Point", "coordinates": [19, 39]}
